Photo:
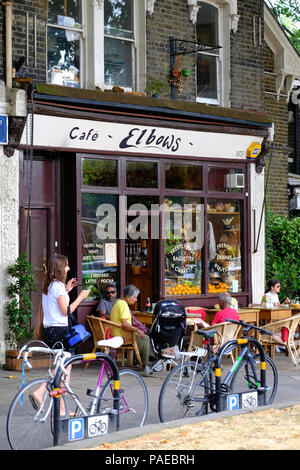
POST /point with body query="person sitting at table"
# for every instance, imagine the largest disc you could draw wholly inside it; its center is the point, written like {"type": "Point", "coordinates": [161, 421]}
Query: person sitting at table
{"type": "Point", "coordinates": [105, 305]}
{"type": "Point", "coordinates": [120, 313]}
{"type": "Point", "coordinates": [271, 297]}
{"type": "Point", "coordinates": [226, 312]}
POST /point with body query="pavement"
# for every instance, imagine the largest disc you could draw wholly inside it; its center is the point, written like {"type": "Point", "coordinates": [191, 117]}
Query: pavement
{"type": "Point", "coordinates": [288, 394]}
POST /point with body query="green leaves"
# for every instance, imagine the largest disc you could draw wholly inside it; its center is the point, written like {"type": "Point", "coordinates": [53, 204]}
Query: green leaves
{"type": "Point", "coordinates": [283, 253]}
{"type": "Point", "coordinates": [19, 308]}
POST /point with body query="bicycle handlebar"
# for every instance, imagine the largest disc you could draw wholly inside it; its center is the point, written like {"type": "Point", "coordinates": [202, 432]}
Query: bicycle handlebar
{"type": "Point", "coordinates": [59, 354]}
{"type": "Point", "coordinates": [250, 326]}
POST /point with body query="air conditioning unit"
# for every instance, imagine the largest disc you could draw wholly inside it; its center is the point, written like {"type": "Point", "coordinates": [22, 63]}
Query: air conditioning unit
{"type": "Point", "coordinates": [235, 180]}
{"type": "Point", "coordinates": [295, 202]}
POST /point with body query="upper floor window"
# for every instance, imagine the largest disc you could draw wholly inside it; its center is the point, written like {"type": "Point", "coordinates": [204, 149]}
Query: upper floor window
{"type": "Point", "coordinates": [119, 43]}
{"type": "Point", "coordinates": [96, 43]}
{"type": "Point", "coordinates": [208, 62]}
{"type": "Point", "coordinates": [64, 36]}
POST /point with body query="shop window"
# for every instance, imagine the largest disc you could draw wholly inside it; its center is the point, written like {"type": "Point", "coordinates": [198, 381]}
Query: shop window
{"type": "Point", "coordinates": [64, 36]}
{"type": "Point", "coordinates": [183, 241]}
{"type": "Point", "coordinates": [99, 242]}
{"type": "Point", "coordinates": [183, 177]}
{"type": "Point", "coordinates": [224, 179]}
{"type": "Point", "coordinates": [141, 175]}
{"type": "Point", "coordinates": [99, 172]}
{"type": "Point", "coordinates": [224, 245]}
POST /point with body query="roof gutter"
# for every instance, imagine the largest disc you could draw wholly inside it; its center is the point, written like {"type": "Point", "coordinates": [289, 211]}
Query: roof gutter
{"type": "Point", "coordinates": [97, 104]}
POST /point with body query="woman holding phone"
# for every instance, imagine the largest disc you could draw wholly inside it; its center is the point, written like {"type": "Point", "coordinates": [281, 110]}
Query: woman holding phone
{"type": "Point", "coordinates": [53, 317]}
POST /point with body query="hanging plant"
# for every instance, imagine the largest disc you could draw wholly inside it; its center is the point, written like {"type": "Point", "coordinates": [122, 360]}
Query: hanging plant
{"type": "Point", "coordinates": [177, 77]}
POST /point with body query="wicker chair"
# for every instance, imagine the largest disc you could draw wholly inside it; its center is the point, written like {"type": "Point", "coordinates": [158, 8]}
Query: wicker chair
{"type": "Point", "coordinates": [99, 326]}
{"type": "Point", "coordinates": [291, 324]}
{"type": "Point", "coordinates": [225, 331]}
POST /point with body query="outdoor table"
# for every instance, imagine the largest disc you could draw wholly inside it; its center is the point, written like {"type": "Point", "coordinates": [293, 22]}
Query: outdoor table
{"type": "Point", "coordinates": [269, 315]}
{"type": "Point", "coordinates": [247, 315]}
{"type": "Point", "coordinates": [143, 317]}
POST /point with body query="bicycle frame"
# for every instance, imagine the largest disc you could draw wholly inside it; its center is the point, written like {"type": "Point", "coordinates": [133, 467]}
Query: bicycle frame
{"type": "Point", "coordinates": [245, 352]}
{"type": "Point", "coordinates": [82, 358]}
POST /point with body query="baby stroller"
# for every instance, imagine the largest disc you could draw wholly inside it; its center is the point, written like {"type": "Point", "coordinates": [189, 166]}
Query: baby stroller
{"type": "Point", "coordinates": [167, 331]}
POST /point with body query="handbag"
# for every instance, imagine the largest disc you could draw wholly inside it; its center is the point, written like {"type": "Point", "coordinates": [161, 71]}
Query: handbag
{"type": "Point", "coordinates": [76, 334]}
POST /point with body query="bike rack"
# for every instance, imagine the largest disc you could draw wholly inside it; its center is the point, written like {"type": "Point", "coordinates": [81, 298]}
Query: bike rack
{"type": "Point", "coordinates": [57, 380]}
{"type": "Point", "coordinates": [218, 373]}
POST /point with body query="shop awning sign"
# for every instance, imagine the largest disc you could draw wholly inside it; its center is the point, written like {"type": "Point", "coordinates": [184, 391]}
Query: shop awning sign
{"type": "Point", "coordinates": [87, 135]}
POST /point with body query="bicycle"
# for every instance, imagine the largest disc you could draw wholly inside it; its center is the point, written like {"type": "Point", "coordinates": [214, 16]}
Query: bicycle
{"type": "Point", "coordinates": [120, 399]}
{"type": "Point", "coordinates": [189, 389]}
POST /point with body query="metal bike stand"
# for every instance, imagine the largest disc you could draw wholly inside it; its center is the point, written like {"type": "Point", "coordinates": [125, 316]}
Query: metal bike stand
{"type": "Point", "coordinates": [218, 374]}
{"type": "Point", "coordinates": [57, 380]}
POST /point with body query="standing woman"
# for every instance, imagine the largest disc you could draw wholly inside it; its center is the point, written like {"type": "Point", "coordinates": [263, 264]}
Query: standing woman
{"type": "Point", "coordinates": [53, 317]}
{"type": "Point", "coordinates": [55, 299]}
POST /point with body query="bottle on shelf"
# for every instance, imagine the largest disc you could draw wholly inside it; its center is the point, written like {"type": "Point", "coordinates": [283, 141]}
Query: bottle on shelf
{"type": "Point", "coordinates": [148, 305]}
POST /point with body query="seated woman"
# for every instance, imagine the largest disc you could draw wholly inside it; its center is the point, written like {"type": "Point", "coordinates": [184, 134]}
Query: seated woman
{"type": "Point", "coordinates": [271, 298]}
{"type": "Point", "coordinates": [120, 313]}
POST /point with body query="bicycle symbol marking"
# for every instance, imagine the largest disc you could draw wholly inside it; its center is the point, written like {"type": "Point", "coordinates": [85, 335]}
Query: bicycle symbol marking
{"type": "Point", "coordinates": [249, 400]}
{"type": "Point", "coordinates": [97, 425]}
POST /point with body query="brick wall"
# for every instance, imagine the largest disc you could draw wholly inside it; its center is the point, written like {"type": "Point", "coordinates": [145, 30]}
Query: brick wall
{"type": "Point", "coordinates": [277, 191]}
{"type": "Point", "coordinates": [247, 60]}
{"type": "Point", "coordinates": [170, 18]}
{"type": "Point", "coordinates": [19, 30]}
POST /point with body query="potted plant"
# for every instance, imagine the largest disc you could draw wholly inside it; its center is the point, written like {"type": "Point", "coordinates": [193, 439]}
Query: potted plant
{"type": "Point", "coordinates": [156, 88]}
{"type": "Point", "coordinates": [19, 308]}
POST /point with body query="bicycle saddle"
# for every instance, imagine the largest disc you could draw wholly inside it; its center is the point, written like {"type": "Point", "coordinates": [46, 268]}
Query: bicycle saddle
{"type": "Point", "coordinates": [207, 333]}
{"type": "Point", "coordinates": [114, 342]}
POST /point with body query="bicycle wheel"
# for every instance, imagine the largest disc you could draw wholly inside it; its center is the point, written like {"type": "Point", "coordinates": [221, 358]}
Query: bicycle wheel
{"type": "Point", "coordinates": [133, 401]}
{"type": "Point", "coordinates": [243, 379]}
{"type": "Point", "coordinates": [27, 426]}
{"type": "Point", "coordinates": [183, 395]}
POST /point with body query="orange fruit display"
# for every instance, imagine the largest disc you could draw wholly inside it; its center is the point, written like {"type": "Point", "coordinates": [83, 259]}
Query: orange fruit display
{"type": "Point", "coordinates": [188, 289]}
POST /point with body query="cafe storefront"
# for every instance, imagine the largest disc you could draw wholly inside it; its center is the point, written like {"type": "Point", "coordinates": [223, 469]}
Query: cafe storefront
{"type": "Point", "coordinates": [149, 194]}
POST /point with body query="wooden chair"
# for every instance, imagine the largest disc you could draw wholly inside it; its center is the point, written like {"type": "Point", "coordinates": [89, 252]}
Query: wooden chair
{"type": "Point", "coordinates": [291, 324]}
{"type": "Point", "coordinates": [99, 326]}
{"type": "Point", "coordinates": [225, 331]}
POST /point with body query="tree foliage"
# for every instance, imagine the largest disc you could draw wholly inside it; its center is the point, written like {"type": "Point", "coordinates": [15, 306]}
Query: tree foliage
{"type": "Point", "coordinates": [283, 253]}
{"type": "Point", "coordinates": [288, 14]}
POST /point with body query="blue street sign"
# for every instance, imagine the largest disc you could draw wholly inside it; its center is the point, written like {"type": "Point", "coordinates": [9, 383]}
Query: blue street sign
{"type": "Point", "coordinates": [3, 129]}
{"type": "Point", "coordinates": [233, 402]}
{"type": "Point", "coordinates": [76, 429]}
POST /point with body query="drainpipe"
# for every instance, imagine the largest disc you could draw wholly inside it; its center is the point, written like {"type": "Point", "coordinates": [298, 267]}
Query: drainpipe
{"type": "Point", "coordinates": [296, 139]}
{"type": "Point", "coordinates": [8, 38]}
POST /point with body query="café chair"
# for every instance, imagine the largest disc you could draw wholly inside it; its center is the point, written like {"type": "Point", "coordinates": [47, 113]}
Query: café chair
{"type": "Point", "coordinates": [290, 324]}
{"type": "Point", "coordinates": [226, 331]}
{"type": "Point", "coordinates": [99, 328]}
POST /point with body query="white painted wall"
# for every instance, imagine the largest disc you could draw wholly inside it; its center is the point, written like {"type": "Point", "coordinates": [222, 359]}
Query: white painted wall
{"type": "Point", "coordinates": [258, 258]}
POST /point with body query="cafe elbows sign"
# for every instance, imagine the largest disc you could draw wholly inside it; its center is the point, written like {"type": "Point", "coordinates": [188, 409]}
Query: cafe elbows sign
{"type": "Point", "coordinates": [88, 135]}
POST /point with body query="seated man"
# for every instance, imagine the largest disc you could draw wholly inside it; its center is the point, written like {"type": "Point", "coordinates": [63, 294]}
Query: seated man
{"type": "Point", "coordinates": [226, 311]}
{"type": "Point", "coordinates": [105, 305]}
{"type": "Point", "coordinates": [120, 313]}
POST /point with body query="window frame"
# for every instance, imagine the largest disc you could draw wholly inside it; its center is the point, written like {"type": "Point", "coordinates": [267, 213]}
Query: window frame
{"type": "Point", "coordinates": [81, 31]}
{"type": "Point", "coordinates": [219, 59]}
{"type": "Point", "coordinates": [92, 46]}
